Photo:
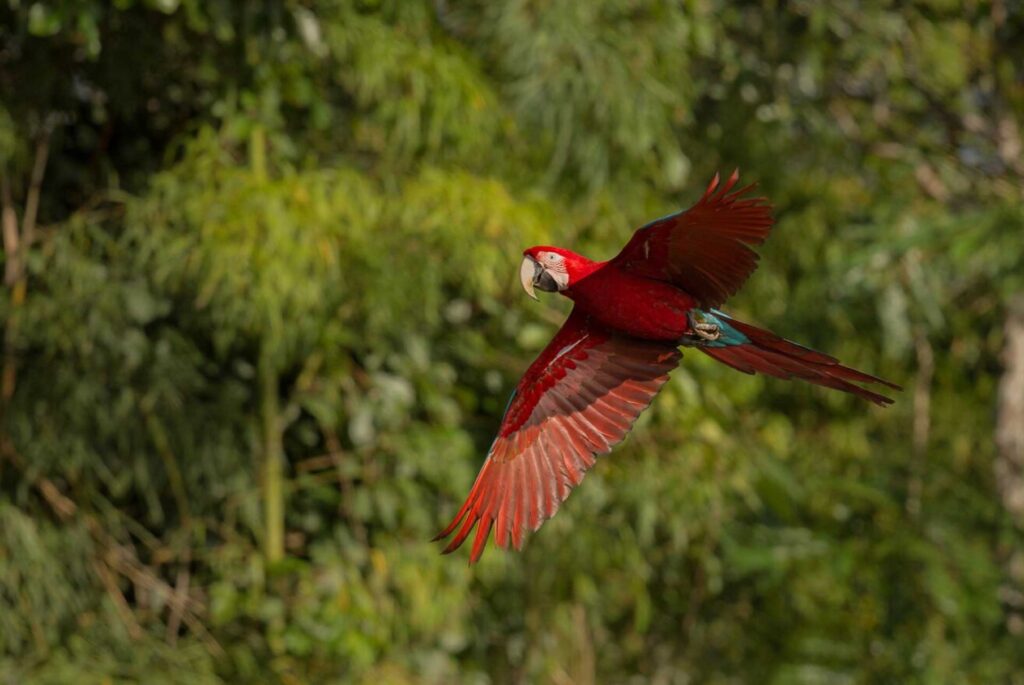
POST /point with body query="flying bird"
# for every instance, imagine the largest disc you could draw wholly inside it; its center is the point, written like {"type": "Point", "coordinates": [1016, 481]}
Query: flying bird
{"type": "Point", "coordinates": [630, 316]}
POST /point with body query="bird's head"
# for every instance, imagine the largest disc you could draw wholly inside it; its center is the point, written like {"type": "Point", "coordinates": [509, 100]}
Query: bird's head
{"type": "Point", "coordinates": [551, 269]}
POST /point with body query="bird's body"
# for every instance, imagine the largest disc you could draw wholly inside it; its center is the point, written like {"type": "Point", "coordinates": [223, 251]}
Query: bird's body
{"type": "Point", "coordinates": [631, 304]}
{"type": "Point", "coordinates": [631, 315]}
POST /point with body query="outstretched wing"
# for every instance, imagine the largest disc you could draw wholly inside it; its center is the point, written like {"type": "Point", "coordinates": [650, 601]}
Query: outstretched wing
{"type": "Point", "coordinates": [576, 401]}
{"type": "Point", "coordinates": [704, 250]}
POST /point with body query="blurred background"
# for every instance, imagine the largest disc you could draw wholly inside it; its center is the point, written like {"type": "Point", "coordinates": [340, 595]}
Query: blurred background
{"type": "Point", "coordinates": [261, 317]}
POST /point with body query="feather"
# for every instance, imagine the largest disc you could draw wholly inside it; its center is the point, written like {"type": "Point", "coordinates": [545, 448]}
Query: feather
{"type": "Point", "coordinates": [757, 350]}
{"type": "Point", "coordinates": [569, 407]}
{"type": "Point", "coordinates": [706, 250]}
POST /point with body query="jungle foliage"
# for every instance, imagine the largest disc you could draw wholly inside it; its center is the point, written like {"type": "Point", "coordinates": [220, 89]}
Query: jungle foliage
{"type": "Point", "coordinates": [261, 319]}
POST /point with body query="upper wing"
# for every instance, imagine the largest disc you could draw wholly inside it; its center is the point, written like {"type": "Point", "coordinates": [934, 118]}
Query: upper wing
{"type": "Point", "coordinates": [705, 250]}
{"type": "Point", "coordinates": [576, 401]}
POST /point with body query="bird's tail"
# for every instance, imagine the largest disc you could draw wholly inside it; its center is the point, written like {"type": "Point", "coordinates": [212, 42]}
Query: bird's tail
{"type": "Point", "coordinates": [751, 349]}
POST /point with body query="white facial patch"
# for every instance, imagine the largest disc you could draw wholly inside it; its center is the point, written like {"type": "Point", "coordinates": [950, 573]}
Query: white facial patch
{"type": "Point", "coordinates": [554, 264]}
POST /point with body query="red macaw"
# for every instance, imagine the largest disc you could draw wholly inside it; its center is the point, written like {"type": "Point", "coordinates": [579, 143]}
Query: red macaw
{"type": "Point", "coordinates": [616, 349]}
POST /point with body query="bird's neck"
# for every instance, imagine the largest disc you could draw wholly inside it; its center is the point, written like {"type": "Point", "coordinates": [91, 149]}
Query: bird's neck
{"type": "Point", "coordinates": [580, 267]}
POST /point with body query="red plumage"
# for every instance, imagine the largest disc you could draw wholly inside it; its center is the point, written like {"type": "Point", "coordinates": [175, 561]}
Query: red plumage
{"type": "Point", "coordinates": [705, 251]}
{"type": "Point", "coordinates": [578, 400]}
{"type": "Point", "coordinates": [775, 356]}
{"type": "Point", "coordinates": [615, 351]}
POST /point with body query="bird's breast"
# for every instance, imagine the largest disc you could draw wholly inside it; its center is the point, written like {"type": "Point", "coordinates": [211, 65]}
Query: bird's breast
{"type": "Point", "coordinates": [636, 306]}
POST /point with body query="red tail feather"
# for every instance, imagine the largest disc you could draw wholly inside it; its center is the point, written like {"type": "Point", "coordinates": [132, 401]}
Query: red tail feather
{"type": "Point", "coordinates": [772, 355]}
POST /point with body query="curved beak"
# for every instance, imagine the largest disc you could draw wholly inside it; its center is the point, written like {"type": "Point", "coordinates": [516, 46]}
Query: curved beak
{"type": "Point", "coordinates": [528, 273]}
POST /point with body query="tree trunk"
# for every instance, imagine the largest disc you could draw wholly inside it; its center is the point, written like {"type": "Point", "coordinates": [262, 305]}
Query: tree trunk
{"type": "Point", "coordinates": [270, 414]}
{"type": "Point", "coordinates": [273, 459]}
{"type": "Point", "coordinates": [1009, 466]}
{"type": "Point", "coordinates": [16, 248]}
{"type": "Point", "coordinates": [1010, 418]}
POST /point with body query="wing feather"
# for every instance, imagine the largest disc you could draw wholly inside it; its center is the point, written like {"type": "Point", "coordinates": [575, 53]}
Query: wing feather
{"type": "Point", "coordinates": [707, 249]}
{"type": "Point", "coordinates": [576, 401]}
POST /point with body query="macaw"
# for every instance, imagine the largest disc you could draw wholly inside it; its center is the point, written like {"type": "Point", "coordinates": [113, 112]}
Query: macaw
{"type": "Point", "coordinates": [613, 354]}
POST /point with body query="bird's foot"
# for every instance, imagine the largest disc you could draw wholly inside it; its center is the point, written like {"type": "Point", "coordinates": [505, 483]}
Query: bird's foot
{"type": "Point", "coordinates": [709, 332]}
{"type": "Point", "coordinates": [702, 329]}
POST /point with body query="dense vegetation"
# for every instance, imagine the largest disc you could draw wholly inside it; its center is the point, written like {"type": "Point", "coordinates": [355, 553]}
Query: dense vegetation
{"type": "Point", "coordinates": [261, 318]}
